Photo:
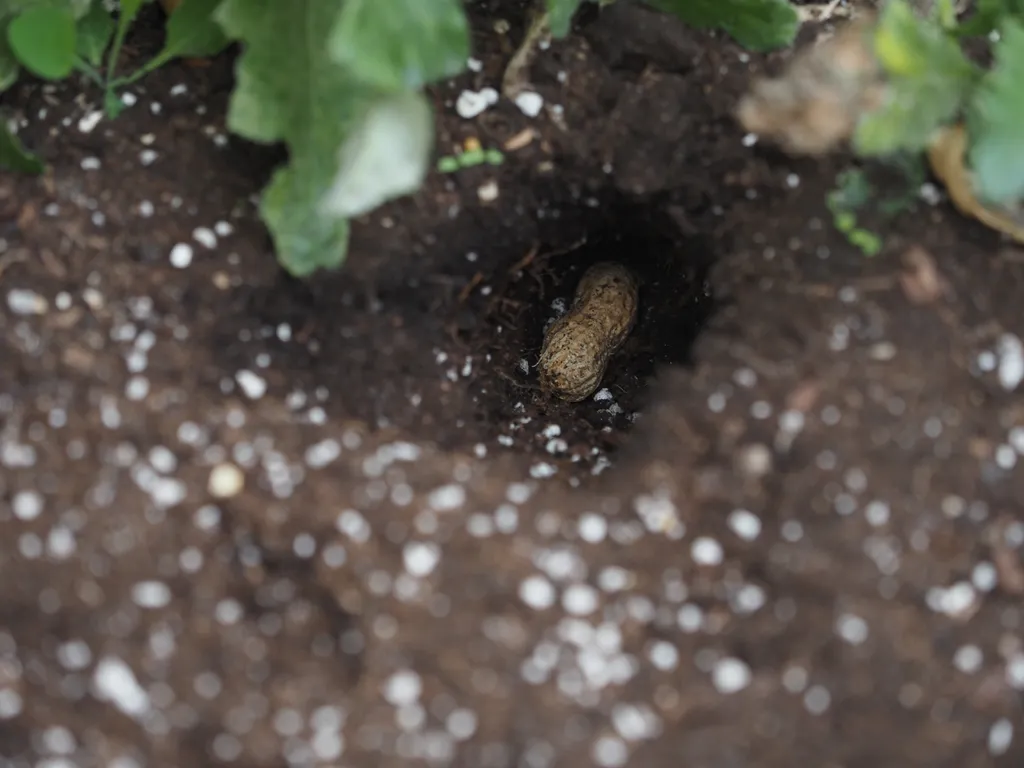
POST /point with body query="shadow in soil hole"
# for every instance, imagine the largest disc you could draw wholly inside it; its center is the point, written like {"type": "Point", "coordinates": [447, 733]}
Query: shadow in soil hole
{"type": "Point", "coordinates": [675, 304]}
{"type": "Point", "coordinates": [403, 356]}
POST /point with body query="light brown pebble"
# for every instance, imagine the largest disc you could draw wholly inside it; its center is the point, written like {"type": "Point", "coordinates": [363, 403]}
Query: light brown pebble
{"type": "Point", "coordinates": [226, 480]}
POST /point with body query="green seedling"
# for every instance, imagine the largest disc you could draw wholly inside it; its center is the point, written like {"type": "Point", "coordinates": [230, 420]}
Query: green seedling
{"type": "Point", "coordinates": [853, 191]}
{"type": "Point", "coordinates": [52, 40]}
{"type": "Point", "coordinates": [469, 159]}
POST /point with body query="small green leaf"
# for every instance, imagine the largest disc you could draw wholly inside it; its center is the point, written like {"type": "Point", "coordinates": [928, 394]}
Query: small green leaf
{"type": "Point", "coordinates": [305, 100]}
{"type": "Point", "coordinates": [987, 16]}
{"type": "Point", "coordinates": [95, 30]}
{"type": "Point", "coordinates": [472, 157]}
{"type": "Point", "coordinates": [43, 39]}
{"type": "Point", "coordinates": [448, 164]}
{"type": "Point", "coordinates": [401, 44]}
{"type": "Point", "coordinates": [845, 221]}
{"type": "Point", "coordinates": [869, 243]}
{"type": "Point", "coordinates": [192, 31]}
{"type": "Point", "coordinates": [852, 192]}
{"type": "Point", "coordinates": [945, 12]}
{"type": "Point", "coordinates": [560, 13]}
{"type": "Point", "coordinates": [14, 156]}
{"type": "Point", "coordinates": [929, 77]}
{"type": "Point", "coordinates": [995, 122]}
{"type": "Point", "coordinates": [758, 25]}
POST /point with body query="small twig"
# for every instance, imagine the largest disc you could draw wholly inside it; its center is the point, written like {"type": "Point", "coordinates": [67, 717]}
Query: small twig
{"type": "Point", "coordinates": [567, 249]}
{"type": "Point", "coordinates": [524, 262]}
{"type": "Point", "coordinates": [822, 12]}
{"type": "Point", "coordinates": [517, 74]}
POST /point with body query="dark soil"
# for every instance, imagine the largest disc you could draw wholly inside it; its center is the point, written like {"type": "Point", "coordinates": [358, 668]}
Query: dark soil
{"type": "Point", "coordinates": [806, 548]}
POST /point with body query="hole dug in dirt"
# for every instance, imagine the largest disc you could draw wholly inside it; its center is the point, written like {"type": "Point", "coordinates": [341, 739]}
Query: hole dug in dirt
{"type": "Point", "coordinates": [674, 305]}
{"type": "Point", "coordinates": [454, 362]}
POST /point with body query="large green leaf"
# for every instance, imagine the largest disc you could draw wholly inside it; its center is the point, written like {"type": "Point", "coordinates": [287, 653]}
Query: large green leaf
{"type": "Point", "coordinates": [9, 9]}
{"type": "Point", "coordinates": [401, 44]}
{"type": "Point", "coordinates": [386, 155]}
{"type": "Point", "coordinates": [304, 99]}
{"type": "Point", "coordinates": [9, 66]}
{"type": "Point", "coordinates": [928, 79]}
{"type": "Point", "coordinates": [78, 8]}
{"type": "Point", "coordinates": [43, 39]}
{"type": "Point", "coordinates": [995, 122]}
{"type": "Point", "coordinates": [759, 25]}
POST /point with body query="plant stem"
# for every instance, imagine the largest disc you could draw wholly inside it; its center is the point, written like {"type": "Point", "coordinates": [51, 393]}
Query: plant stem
{"type": "Point", "coordinates": [516, 77]}
{"type": "Point", "coordinates": [155, 63]}
{"type": "Point", "coordinates": [89, 71]}
{"type": "Point", "coordinates": [123, 22]}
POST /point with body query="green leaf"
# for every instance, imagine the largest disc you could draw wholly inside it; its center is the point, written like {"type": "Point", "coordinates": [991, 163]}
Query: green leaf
{"type": "Point", "coordinates": [852, 192]}
{"type": "Point", "coordinates": [192, 31]}
{"type": "Point", "coordinates": [560, 13]}
{"type": "Point", "coordinates": [945, 12]}
{"type": "Point", "coordinates": [130, 9]}
{"type": "Point", "coordinates": [928, 80]}
{"type": "Point", "coordinates": [304, 239]}
{"type": "Point", "coordinates": [14, 156]}
{"type": "Point", "coordinates": [385, 156]}
{"type": "Point", "coordinates": [304, 99]}
{"type": "Point", "coordinates": [9, 67]}
{"type": "Point", "coordinates": [77, 7]}
{"type": "Point", "coordinates": [987, 16]}
{"type": "Point", "coordinates": [759, 25]}
{"type": "Point", "coordinates": [43, 39]}
{"type": "Point", "coordinates": [995, 122]}
{"type": "Point", "coordinates": [95, 30]}
{"type": "Point", "coordinates": [401, 44]}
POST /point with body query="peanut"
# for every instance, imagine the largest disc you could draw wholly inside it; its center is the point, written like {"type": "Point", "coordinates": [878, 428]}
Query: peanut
{"type": "Point", "coordinates": [578, 345]}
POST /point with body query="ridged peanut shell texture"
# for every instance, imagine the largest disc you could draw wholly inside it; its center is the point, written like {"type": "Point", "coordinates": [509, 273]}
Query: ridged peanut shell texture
{"type": "Point", "coordinates": [577, 345]}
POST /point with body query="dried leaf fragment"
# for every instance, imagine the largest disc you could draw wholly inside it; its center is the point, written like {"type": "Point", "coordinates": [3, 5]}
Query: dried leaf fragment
{"type": "Point", "coordinates": [946, 155]}
{"type": "Point", "coordinates": [814, 106]}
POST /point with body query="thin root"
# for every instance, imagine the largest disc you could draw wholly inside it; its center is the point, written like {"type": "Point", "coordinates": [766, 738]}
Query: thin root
{"type": "Point", "coordinates": [516, 383]}
{"type": "Point", "coordinates": [468, 287]}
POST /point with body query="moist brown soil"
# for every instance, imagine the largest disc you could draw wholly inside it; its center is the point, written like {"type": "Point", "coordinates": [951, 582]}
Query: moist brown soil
{"type": "Point", "coordinates": [791, 537]}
